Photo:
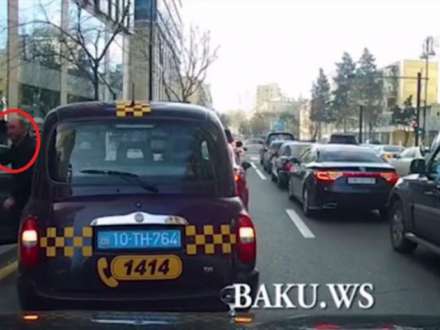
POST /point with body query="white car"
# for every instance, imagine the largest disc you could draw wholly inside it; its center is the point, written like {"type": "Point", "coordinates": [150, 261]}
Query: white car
{"type": "Point", "coordinates": [402, 162]}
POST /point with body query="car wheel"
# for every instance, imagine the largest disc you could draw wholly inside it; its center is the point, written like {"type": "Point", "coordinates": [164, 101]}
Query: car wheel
{"type": "Point", "coordinates": [290, 190]}
{"type": "Point", "coordinates": [280, 183]}
{"type": "Point", "coordinates": [397, 230]}
{"type": "Point", "coordinates": [306, 203]}
{"type": "Point", "coordinates": [28, 300]}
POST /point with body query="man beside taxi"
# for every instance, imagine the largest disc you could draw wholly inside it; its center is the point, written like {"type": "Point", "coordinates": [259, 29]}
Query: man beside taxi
{"type": "Point", "coordinates": [20, 153]}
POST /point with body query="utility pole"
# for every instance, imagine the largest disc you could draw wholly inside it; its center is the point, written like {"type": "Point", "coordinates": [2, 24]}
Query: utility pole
{"type": "Point", "coordinates": [428, 50]}
{"type": "Point", "coordinates": [151, 48]}
{"type": "Point", "coordinates": [419, 83]}
{"type": "Point", "coordinates": [361, 121]}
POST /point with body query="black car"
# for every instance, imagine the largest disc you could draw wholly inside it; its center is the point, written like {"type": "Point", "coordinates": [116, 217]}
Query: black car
{"type": "Point", "coordinates": [341, 176]}
{"type": "Point", "coordinates": [270, 153]}
{"type": "Point", "coordinates": [414, 208]}
{"type": "Point", "coordinates": [283, 161]}
{"type": "Point", "coordinates": [272, 136]}
{"type": "Point", "coordinates": [133, 203]}
{"type": "Point", "coordinates": [342, 139]}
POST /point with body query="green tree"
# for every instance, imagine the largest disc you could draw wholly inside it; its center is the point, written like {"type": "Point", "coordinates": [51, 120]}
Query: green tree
{"type": "Point", "coordinates": [259, 124]}
{"type": "Point", "coordinates": [369, 88]}
{"type": "Point", "coordinates": [342, 103]}
{"type": "Point", "coordinates": [320, 111]}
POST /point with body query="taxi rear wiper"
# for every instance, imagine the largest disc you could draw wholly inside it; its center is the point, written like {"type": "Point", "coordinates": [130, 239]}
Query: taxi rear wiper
{"type": "Point", "coordinates": [127, 176]}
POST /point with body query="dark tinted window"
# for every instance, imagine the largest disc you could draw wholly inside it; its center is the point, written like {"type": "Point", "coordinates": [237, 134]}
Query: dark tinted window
{"type": "Point", "coordinates": [344, 139]}
{"type": "Point", "coordinates": [164, 153]}
{"type": "Point", "coordinates": [276, 145]}
{"type": "Point", "coordinates": [392, 149]}
{"type": "Point", "coordinates": [298, 149]}
{"type": "Point", "coordinates": [280, 136]}
{"type": "Point", "coordinates": [352, 155]}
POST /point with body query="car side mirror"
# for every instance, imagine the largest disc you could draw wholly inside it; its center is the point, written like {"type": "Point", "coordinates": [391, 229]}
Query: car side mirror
{"type": "Point", "coordinates": [246, 165]}
{"type": "Point", "coordinates": [418, 166]}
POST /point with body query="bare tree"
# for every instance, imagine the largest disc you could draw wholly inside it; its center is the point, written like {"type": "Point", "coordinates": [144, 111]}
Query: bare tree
{"type": "Point", "coordinates": [191, 67]}
{"type": "Point", "coordinates": [81, 43]}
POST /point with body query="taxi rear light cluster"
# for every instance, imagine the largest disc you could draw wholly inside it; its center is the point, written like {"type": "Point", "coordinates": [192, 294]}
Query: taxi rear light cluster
{"type": "Point", "coordinates": [28, 240]}
{"type": "Point", "coordinates": [331, 176]}
{"type": "Point", "coordinates": [246, 240]}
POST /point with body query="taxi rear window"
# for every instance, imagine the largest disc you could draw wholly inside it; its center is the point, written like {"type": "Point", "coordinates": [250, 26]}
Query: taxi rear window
{"type": "Point", "coordinates": [175, 156]}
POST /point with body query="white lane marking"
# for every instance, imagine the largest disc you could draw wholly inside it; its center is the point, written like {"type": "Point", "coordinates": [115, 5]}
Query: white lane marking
{"type": "Point", "coordinates": [254, 158]}
{"type": "Point", "coordinates": [261, 175]}
{"type": "Point", "coordinates": [302, 227]}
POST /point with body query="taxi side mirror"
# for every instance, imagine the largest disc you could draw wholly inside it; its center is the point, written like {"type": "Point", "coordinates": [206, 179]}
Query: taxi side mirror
{"type": "Point", "coordinates": [246, 165]}
{"type": "Point", "coordinates": [418, 166]}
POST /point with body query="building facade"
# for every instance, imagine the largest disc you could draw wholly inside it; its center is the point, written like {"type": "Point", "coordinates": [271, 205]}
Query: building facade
{"type": "Point", "coordinates": [38, 82]}
{"type": "Point", "coordinates": [155, 46]}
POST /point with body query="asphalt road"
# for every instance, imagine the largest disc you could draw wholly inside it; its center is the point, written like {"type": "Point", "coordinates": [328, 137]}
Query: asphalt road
{"type": "Point", "coordinates": [334, 248]}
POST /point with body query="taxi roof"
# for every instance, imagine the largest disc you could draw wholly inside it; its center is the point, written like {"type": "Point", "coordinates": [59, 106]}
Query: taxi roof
{"type": "Point", "coordinates": [108, 109]}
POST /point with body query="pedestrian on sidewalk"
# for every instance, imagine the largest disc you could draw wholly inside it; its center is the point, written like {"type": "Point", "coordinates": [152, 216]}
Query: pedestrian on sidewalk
{"type": "Point", "coordinates": [20, 153]}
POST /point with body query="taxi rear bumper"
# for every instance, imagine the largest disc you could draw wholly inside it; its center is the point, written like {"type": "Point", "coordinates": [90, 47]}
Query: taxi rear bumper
{"type": "Point", "coordinates": [190, 300]}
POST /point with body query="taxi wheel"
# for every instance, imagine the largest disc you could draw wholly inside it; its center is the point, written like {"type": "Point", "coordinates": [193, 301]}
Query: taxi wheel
{"type": "Point", "coordinates": [397, 230]}
{"type": "Point", "coordinates": [29, 301]}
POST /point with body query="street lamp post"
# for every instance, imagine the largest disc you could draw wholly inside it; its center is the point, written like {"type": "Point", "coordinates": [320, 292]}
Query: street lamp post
{"type": "Point", "coordinates": [428, 50]}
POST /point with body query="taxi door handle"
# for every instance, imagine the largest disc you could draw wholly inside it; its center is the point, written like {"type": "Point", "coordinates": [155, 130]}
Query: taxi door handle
{"type": "Point", "coordinates": [429, 193]}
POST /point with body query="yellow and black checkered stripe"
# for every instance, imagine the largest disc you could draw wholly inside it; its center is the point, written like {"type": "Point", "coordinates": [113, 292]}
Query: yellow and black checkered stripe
{"type": "Point", "coordinates": [129, 109]}
{"type": "Point", "coordinates": [209, 239]}
{"type": "Point", "coordinates": [67, 243]}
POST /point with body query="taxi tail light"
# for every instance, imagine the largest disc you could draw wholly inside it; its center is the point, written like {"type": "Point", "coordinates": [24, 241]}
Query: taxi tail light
{"type": "Point", "coordinates": [246, 240]}
{"type": "Point", "coordinates": [390, 177]}
{"type": "Point", "coordinates": [327, 176]}
{"type": "Point", "coordinates": [28, 240]}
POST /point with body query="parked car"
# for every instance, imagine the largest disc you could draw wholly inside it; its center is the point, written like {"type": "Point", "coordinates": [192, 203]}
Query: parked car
{"type": "Point", "coordinates": [282, 162]}
{"type": "Point", "coordinates": [414, 207]}
{"type": "Point", "coordinates": [271, 152]}
{"type": "Point", "coordinates": [341, 176]}
{"type": "Point", "coordinates": [272, 136]}
{"type": "Point", "coordinates": [342, 139]}
{"type": "Point", "coordinates": [403, 161]}
{"type": "Point", "coordinates": [388, 152]}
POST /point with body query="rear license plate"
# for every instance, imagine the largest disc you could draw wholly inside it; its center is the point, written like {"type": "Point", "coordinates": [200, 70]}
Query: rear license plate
{"type": "Point", "coordinates": [139, 239]}
{"type": "Point", "coordinates": [361, 180]}
{"type": "Point", "coordinates": [141, 268]}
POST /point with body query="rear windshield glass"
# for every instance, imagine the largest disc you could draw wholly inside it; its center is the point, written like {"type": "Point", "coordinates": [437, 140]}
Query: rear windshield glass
{"type": "Point", "coordinates": [298, 149]}
{"type": "Point", "coordinates": [161, 153]}
{"type": "Point", "coordinates": [276, 145]}
{"type": "Point", "coordinates": [349, 156]}
{"type": "Point", "coordinates": [342, 139]}
{"type": "Point", "coordinates": [392, 148]}
{"type": "Point", "coordinates": [280, 136]}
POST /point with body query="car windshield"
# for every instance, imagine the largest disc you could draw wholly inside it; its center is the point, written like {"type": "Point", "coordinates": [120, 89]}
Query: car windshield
{"type": "Point", "coordinates": [192, 156]}
{"type": "Point", "coordinates": [348, 156]}
{"type": "Point", "coordinates": [180, 158]}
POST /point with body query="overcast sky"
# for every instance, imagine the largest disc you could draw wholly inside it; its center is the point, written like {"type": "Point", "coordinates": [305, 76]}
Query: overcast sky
{"type": "Point", "coordinates": [286, 41]}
